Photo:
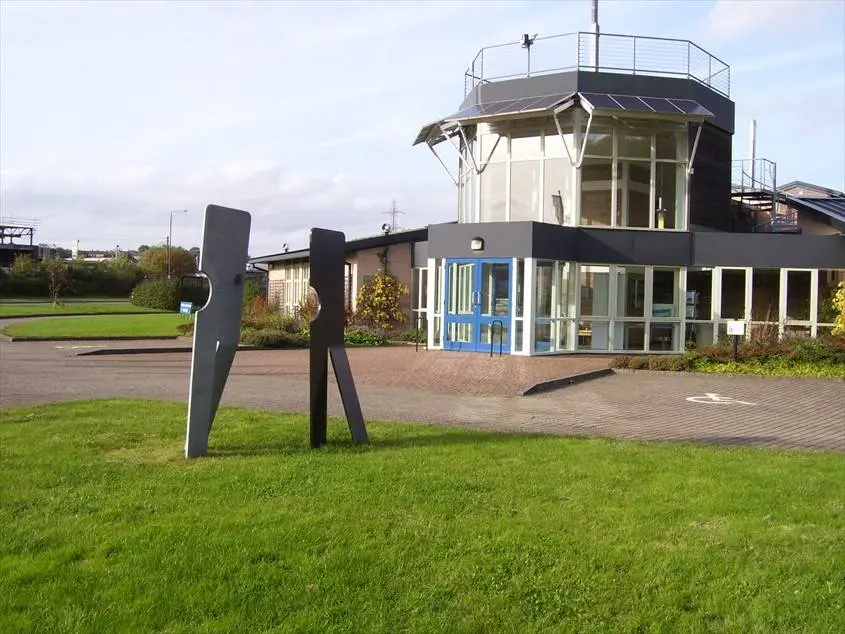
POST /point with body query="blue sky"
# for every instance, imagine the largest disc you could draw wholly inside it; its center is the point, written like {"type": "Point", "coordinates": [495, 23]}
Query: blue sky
{"type": "Point", "coordinates": [303, 113]}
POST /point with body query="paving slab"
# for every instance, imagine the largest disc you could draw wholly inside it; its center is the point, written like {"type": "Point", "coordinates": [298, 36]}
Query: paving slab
{"type": "Point", "coordinates": [746, 410]}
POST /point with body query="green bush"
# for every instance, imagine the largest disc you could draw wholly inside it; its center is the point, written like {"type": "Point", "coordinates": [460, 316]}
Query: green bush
{"type": "Point", "coordinates": [638, 363]}
{"type": "Point", "coordinates": [819, 351]}
{"type": "Point", "coordinates": [270, 320]}
{"type": "Point", "coordinates": [361, 336]}
{"type": "Point", "coordinates": [274, 339]}
{"type": "Point", "coordinates": [158, 294]}
{"type": "Point", "coordinates": [409, 335]}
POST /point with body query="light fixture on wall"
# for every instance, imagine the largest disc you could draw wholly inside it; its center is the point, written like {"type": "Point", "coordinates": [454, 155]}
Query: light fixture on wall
{"type": "Point", "coordinates": [477, 244]}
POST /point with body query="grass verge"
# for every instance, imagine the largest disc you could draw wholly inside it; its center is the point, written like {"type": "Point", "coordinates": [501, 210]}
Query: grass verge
{"type": "Point", "coordinates": [106, 528]}
{"type": "Point", "coordinates": [73, 308]}
{"type": "Point", "coordinates": [98, 326]}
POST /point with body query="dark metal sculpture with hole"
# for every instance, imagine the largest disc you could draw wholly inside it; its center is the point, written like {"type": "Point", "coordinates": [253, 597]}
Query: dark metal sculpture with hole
{"type": "Point", "coordinates": [327, 257]}
{"type": "Point", "coordinates": [217, 325]}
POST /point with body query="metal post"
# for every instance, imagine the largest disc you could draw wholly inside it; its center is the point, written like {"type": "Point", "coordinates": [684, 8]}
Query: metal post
{"type": "Point", "coordinates": [169, 234]}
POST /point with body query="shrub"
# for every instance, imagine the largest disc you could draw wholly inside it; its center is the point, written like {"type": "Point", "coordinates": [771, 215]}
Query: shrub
{"type": "Point", "coordinates": [839, 307]}
{"type": "Point", "coordinates": [379, 302]}
{"type": "Point", "coordinates": [158, 294]}
{"type": "Point", "coordinates": [638, 363]}
{"type": "Point", "coordinates": [621, 362]}
{"type": "Point", "coordinates": [364, 337]}
{"type": "Point", "coordinates": [819, 351]}
{"type": "Point", "coordinates": [274, 339]}
{"type": "Point", "coordinates": [409, 335]}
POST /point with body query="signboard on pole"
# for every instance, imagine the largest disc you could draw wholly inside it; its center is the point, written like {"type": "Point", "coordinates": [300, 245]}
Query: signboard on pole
{"type": "Point", "coordinates": [736, 328]}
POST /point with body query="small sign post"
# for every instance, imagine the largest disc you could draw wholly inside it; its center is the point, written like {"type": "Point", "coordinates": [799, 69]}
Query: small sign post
{"type": "Point", "coordinates": [736, 329]}
{"type": "Point", "coordinates": [186, 309]}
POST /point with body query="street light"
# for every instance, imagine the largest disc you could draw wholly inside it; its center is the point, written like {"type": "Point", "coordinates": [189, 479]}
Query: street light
{"type": "Point", "coordinates": [170, 236]}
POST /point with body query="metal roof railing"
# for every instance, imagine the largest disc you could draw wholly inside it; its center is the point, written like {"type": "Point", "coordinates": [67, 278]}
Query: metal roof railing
{"type": "Point", "coordinates": [607, 52]}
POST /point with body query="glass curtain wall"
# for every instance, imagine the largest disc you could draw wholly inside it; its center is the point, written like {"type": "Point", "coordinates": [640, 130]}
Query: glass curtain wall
{"type": "Point", "coordinates": [633, 173]}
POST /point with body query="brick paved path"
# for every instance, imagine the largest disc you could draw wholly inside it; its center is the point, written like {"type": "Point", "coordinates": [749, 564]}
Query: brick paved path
{"type": "Point", "coordinates": [784, 412]}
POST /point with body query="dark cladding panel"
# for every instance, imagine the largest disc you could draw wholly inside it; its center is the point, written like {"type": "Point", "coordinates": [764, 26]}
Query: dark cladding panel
{"type": "Point", "coordinates": [769, 250]}
{"type": "Point", "coordinates": [710, 183]}
{"type": "Point", "coordinates": [501, 240]}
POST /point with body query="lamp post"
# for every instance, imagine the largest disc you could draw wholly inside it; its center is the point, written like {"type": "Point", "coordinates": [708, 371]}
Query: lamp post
{"type": "Point", "coordinates": [170, 236]}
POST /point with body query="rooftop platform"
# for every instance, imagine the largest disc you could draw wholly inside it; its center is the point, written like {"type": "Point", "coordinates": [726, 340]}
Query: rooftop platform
{"type": "Point", "coordinates": [607, 53]}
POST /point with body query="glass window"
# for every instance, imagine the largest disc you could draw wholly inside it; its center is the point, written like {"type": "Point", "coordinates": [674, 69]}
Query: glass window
{"type": "Point", "coordinates": [565, 290]}
{"type": "Point", "coordinates": [629, 335]}
{"type": "Point", "coordinates": [554, 147]}
{"type": "Point", "coordinates": [634, 145]}
{"type": "Point", "coordinates": [493, 148]}
{"type": "Point", "coordinates": [468, 185]}
{"type": "Point", "coordinates": [595, 291]}
{"type": "Point", "coordinates": [543, 336]}
{"type": "Point", "coordinates": [666, 145]}
{"type": "Point", "coordinates": [525, 190]}
{"type": "Point", "coordinates": [543, 289]}
{"type": "Point", "coordinates": [493, 193]}
{"type": "Point", "coordinates": [423, 289]}
{"type": "Point", "coordinates": [698, 335]}
{"type": "Point", "coordinates": [765, 295]}
{"type": "Point", "coordinates": [669, 193]}
{"type": "Point", "coordinates": [556, 203]}
{"type": "Point", "coordinates": [635, 194]}
{"type": "Point", "coordinates": [596, 192]}
{"type": "Point", "coordinates": [699, 294]}
{"type": "Point", "coordinates": [594, 335]}
{"type": "Point", "coordinates": [733, 294]}
{"type": "Point", "coordinates": [798, 295]}
{"type": "Point", "coordinates": [663, 337]}
{"type": "Point", "coordinates": [520, 284]}
{"type": "Point", "coordinates": [525, 145]}
{"type": "Point", "coordinates": [665, 293]}
{"type": "Point", "coordinates": [630, 291]}
{"type": "Point", "coordinates": [599, 143]}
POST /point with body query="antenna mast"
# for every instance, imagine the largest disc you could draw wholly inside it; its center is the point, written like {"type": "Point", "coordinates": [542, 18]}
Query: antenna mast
{"type": "Point", "coordinates": [394, 213]}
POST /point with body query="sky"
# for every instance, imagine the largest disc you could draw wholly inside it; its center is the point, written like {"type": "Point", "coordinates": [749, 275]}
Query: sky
{"type": "Point", "coordinates": [113, 114]}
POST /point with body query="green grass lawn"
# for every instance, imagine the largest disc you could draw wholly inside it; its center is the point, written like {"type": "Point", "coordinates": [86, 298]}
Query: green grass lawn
{"type": "Point", "coordinates": [106, 528]}
{"type": "Point", "coordinates": [21, 309]}
{"type": "Point", "coordinates": [126, 326]}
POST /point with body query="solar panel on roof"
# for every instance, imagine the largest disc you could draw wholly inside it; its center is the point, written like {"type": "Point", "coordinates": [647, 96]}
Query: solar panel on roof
{"type": "Point", "coordinates": [599, 100]}
{"type": "Point", "coordinates": [634, 104]}
{"type": "Point", "coordinates": [661, 105]}
{"type": "Point", "coordinates": [508, 106]}
{"type": "Point", "coordinates": [688, 106]}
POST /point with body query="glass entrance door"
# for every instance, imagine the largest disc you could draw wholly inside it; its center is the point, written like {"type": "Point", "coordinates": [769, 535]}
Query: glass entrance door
{"type": "Point", "coordinates": [478, 305]}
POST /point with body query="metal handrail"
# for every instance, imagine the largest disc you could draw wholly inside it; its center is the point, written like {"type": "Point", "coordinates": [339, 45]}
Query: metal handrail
{"type": "Point", "coordinates": [501, 335]}
{"type": "Point", "coordinates": [659, 56]}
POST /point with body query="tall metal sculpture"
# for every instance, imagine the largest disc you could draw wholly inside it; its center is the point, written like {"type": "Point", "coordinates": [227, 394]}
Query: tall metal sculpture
{"type": "Point", "coordinates": [217, 326]}
{"type": "Point", "coordinates": [327, 258]}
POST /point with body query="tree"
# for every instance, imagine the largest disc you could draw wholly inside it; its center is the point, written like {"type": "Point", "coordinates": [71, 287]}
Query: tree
{"type": "Point", "coordinates": [153, 261]}
{"type": "Point", "coordinates": [24, 265]}
{"type": "Point", "coordinates": [143, 247]}
{"type": "Point", "coordinates": [57, 278]}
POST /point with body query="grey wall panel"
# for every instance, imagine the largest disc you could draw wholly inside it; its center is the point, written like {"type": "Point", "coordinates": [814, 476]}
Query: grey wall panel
{"type": "Point", "coordinates": [419, 254]}
{"type": "Point", "coordinates": [501, 240]}
{"type": "Point", "coordinates": [768, 250]}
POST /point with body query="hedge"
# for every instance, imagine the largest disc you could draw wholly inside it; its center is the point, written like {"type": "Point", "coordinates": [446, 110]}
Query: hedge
{"type": "Point", "coordinates": [158, 294]}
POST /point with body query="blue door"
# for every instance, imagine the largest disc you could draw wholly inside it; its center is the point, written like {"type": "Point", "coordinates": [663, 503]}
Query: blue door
{"type": "Point", "coordinates": [478, 305]}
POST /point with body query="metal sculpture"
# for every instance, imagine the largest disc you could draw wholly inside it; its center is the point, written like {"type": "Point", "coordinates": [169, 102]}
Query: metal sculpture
{"type": "Point", "coordinates": [217, 325]}
{"type": "Point", "coordinates": [327, 257]}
